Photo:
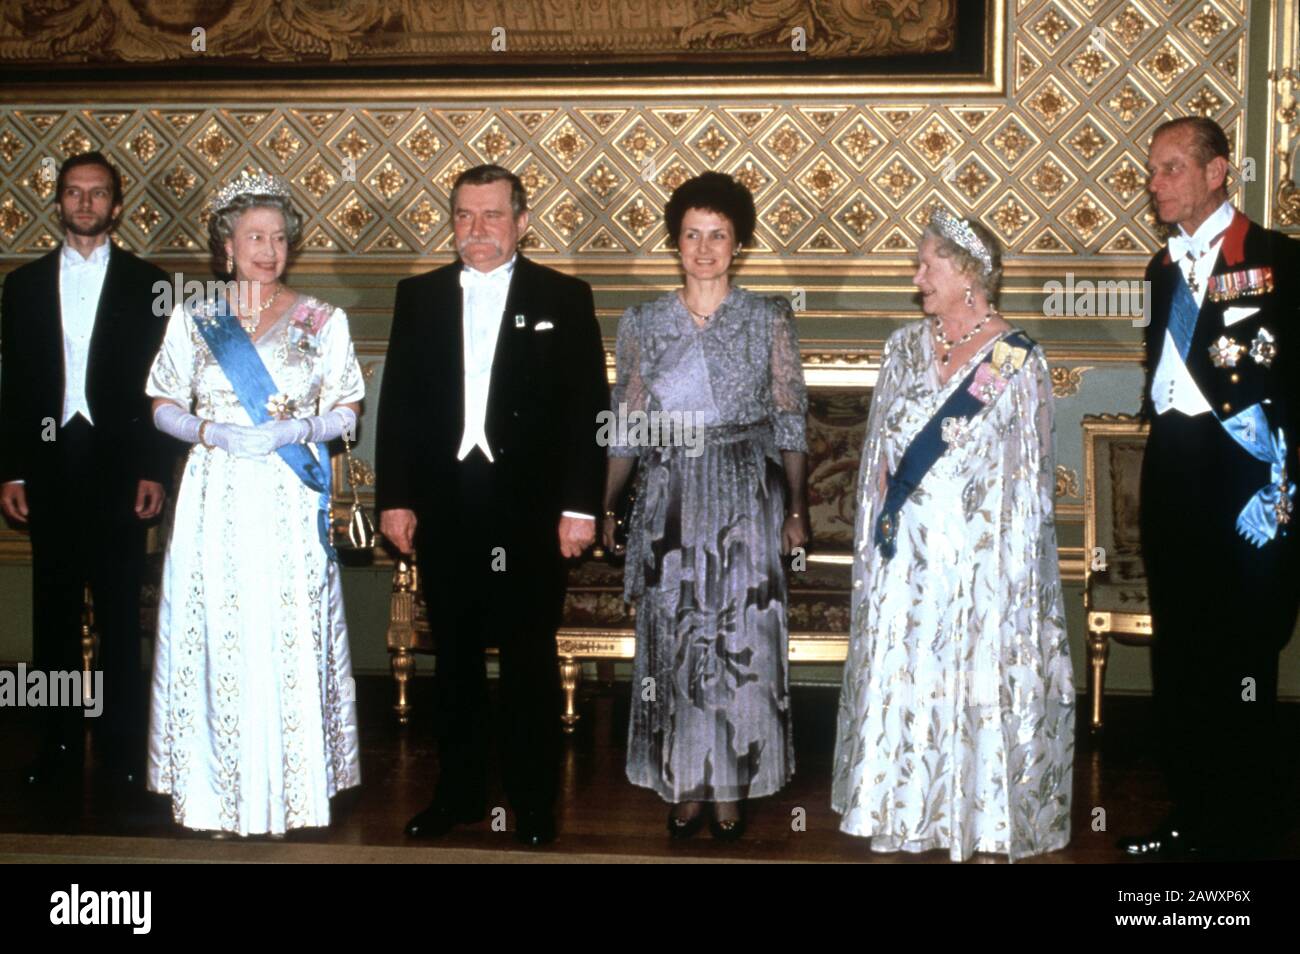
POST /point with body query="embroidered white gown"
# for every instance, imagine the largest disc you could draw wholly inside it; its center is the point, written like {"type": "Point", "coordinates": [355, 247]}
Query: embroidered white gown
{"type": "Point", "coordinates": [253, 714]}
{"type": "Point", "coordinates": [956, 718]}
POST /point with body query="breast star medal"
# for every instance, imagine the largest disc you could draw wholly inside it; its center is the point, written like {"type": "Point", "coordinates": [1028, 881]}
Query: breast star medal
{"type": "Point", "coordinates": [1225, 353]}
{"type": "Point", "coordinates": [1264, 348]}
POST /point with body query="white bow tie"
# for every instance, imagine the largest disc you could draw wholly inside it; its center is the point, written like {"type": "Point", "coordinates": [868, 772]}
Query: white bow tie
{"type": "Point", "coordinates": [474, 279]}
{"type": "Point", "coordinates": [1181, 245]}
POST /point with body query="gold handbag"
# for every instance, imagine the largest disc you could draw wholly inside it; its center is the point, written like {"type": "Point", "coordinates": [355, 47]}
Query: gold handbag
{"type": "Point", "coordinates": [361, 531]}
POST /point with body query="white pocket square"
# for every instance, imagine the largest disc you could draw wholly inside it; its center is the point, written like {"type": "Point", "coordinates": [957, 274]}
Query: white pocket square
{"type": "Point", "coordinates": [543, 326]}
{"type": "Point", "coordinates": [1233, 315]}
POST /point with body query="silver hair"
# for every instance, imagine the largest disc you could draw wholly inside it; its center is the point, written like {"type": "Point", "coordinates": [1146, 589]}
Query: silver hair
{"type": "Point", "coordinates": [221, 225]}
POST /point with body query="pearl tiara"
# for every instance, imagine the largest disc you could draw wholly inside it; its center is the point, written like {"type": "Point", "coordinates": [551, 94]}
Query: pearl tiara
{"type": "Point", "coordinates": [247, 183]}
{"type": "Point", "coordinates": [959, 231]}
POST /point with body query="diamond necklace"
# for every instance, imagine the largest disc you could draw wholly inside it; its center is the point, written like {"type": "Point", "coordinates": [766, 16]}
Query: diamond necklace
{"type": "Point", "coordinates": [948, 344]}
{"type": "Point", "coordinates": [255, 315]}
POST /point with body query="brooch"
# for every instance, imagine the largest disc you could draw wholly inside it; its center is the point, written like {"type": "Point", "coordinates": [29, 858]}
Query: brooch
{"type": "Point", "coordinates": [281, 406]}
{"type": "Point", "coordinates": [302, 338]}
{"type": "Point", "coordinates": [1008, 359]}
{"type": "Point", "coordinates": [1264, 348]}
{"type": "Point", "coordinates": [1225, 352]}
{"type": "Point", "coordinates": [988, 384]}
{"type": "Point", "coordinates": [954, 430]}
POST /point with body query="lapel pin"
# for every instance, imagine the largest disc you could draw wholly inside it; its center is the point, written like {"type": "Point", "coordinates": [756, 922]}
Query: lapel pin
{"type": "Point", "coordinates": [520, 321]}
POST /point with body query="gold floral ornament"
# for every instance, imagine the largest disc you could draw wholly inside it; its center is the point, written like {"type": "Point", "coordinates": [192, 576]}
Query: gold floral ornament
{"type": "Point", "coordinates": [1225, 353]}
{"type": "Point", "coordinates": [1264, 348]}
{"type": "Point", "coordinates": [281, 406]}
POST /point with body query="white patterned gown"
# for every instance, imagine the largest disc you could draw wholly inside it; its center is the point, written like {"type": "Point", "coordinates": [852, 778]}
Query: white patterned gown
{"type": "Point", "coordinates": [253, 714]}
{"type": "Point", "coordinates": [956, 718]}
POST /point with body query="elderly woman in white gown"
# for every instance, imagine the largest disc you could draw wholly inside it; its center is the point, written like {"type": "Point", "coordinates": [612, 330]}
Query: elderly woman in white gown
{"type": "Point", "coordinates": [253, 716]}
{"type": "Point", "coordinates": [956, 718]}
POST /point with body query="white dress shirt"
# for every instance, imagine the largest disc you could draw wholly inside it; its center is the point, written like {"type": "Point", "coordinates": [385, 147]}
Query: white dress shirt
{"type": "Point", "coordinates": [1172, 387]}
{"type": "Point", "coordinates": [80, 282]}
{"type": "Point", "coordinates": [483, 298]}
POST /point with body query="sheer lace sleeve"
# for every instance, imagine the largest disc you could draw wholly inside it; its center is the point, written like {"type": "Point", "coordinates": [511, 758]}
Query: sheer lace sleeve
{"type": "Point", "coordinates": [873, 468]}
{"type": "Point", "coordinates": [629, 393]}
{"type": "Point", "coordinates": [789, 393]}
{"type": "Point", "coordinates": [172, 374]}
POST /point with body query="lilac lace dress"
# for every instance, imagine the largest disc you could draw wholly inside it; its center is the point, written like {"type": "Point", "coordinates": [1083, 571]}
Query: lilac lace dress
{"type": "Point", "coordinates": [710, 703]}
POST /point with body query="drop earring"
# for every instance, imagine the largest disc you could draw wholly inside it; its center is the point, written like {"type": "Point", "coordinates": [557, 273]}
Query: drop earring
{"type": "Point", "coordinates": [230, 264]}
{"type": "Point", "coordinates": [970, 299]}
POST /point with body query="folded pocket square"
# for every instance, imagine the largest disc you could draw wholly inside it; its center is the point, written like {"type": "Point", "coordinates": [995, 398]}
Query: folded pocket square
{"type": "Point", "coordinates": [543, 326]}
{"type": "Point", "coordinates": [1235, 314]}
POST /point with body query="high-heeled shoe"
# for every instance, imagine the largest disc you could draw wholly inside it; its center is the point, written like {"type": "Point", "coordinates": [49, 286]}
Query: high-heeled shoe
{"type": "Point", "coordinates": [684, 827]}
{"type": "Point", "coordinates": [728, 829]}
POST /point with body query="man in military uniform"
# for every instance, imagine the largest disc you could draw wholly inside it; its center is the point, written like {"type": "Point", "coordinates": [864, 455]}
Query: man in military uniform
{"type": "Point", "coordinates": [1222, 397]}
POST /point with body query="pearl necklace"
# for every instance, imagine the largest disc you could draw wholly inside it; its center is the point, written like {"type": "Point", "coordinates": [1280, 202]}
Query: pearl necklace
{"type": "Point", "coordinates": [948, 344]}
{"type": "Point", "coordinates": [255, 316]}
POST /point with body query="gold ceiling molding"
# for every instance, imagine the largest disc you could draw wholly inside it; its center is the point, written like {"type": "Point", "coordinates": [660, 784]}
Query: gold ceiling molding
{"type": "Point", "coordinates": [465, 31]}
{"type": "Point", "coordinates": [1053, 164]}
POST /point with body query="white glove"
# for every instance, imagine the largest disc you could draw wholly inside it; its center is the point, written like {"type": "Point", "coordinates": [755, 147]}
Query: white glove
{"type": "Point", "coordinates": [241, 441]}
{"type": "Point", "coordinates": [177, 422]}
{"type": "Point", "coordinates": [330, 426]}
{"type": "Point", "coordinates": [292, 431]}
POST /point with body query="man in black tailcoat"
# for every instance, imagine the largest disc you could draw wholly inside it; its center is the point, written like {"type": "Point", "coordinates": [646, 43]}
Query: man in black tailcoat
{"type": "Point", "coordinates": [487, 465]}
{"type": "Point", "coordinates": [1222, 396]}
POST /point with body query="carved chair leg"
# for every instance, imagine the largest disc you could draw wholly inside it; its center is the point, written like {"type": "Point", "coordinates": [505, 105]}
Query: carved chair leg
{"type": "Point", "coordinates": [570, 677]}
{"type": "Point", "coordinates": [1098, 651]}
{"type": "Point", "coordinates": [88, 646]}
{"type": "Point", "coordinates": [403, 668]}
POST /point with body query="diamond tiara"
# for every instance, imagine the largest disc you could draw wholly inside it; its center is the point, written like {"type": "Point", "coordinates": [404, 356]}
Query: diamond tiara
{"type": "Point", "coordinates": [247, 183]}
{"type": "Point", "coordinates": [959, 231]}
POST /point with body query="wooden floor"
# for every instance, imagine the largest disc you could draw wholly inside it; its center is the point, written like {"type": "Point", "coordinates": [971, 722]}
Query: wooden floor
{"type": "Point", "coordinates": [601, 816]}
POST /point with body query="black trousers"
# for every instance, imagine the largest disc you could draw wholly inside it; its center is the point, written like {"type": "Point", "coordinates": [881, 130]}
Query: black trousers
{"type": "Point", "coordinates": [496, 585]}
{"type": "Point", "coordinates": [84, 531]}
{"type": "Point", "coordinates": [1222, 609]}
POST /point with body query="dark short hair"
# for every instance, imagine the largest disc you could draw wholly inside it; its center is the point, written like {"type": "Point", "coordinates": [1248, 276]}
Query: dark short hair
{"type": "Point", "coordinates": [89, 159]}
{"type": "Point", "coordinates": [1208, 139]}
{"type": "Point", "coordinates": [716, 192]}
{"type": "Point", "coordinates": [488, 174]}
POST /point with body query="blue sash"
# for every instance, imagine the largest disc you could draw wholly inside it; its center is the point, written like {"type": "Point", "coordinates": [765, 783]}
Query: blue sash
{"type": "Point", "coordinates": [930, 443]}
{"type": "Point", "coordinates": [1182, 317]}
{"type": "Point", "coordinates": [1270, 507]}
{"type": "Point", "coordinates": [253, 384]}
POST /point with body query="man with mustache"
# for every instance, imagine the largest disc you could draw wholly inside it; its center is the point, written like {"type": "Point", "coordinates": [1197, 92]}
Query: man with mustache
{"type": "Point", "coordinates": [81, 464]}
{"type": "Point", "coordinates": [487, 465]}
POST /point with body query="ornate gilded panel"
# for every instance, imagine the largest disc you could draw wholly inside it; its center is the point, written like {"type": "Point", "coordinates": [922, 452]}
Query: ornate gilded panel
{"type": "Point", "coordinates": [1053, 163]}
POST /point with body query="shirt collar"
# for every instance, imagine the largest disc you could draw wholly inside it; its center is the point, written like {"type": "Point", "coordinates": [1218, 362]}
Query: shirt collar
{"type": "Point", "coordinates": [1218, 222]}
{"type": "Point", "coordinates": [500, 273]}
{"type": "Point", "coordinates": [99, 256]}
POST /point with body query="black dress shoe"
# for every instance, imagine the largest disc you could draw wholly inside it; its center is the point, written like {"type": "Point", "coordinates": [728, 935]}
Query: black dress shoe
{"type": "Point", "coordinates": [1165, 842]}
{"type": "Point", "coordinates": [438, 819]}
{"type": "Point", "coordinates": [729, 829]}
{"type": "Point", "coordinates": [684, 827]}
{"type": "Point", "coordinates": [535, 828]}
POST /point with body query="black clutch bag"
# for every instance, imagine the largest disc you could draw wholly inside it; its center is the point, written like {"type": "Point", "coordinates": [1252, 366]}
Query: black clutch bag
{"type": "Point", "coordinates": [622, 523]}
